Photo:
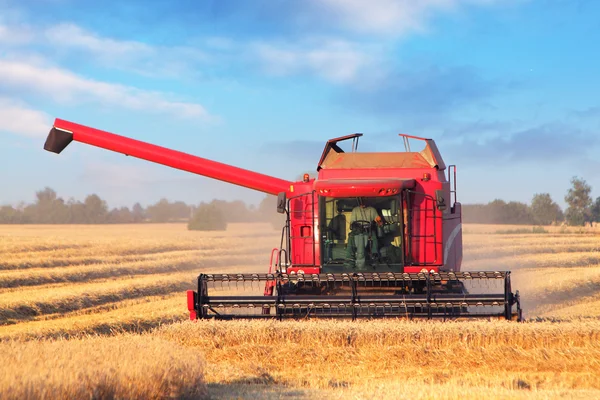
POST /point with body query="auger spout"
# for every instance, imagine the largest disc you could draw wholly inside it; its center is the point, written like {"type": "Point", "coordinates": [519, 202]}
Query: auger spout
{"type": "Point", "coordinates": [64, 132]}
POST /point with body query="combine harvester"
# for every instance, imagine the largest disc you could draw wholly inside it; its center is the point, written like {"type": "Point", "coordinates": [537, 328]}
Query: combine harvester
{"type": "Point", "coordinates": [375, 235]}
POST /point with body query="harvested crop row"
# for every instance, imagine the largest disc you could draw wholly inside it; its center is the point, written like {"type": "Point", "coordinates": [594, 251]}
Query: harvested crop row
{"type": "Point", "coordinates": [27, 304]}
{"type": "Point", "coordinates": [136, 315]}
{"type": "Point", "coordinates": [478, 229]}
{"type": "Point", "coordinates": [127, 246]}
{"type": "Point", "coordinates": [143, 230]}
{"type": "Point", "coordinates": [555, 286]}
{"type": "Point", "coordinates": [580, 307]}
{"type": "Point", "coordinates": [505, 250]}
{"type": "Point", "coordinates": [526, 241]}
{"type": "Point", "coordinates": [474, 241]}
{"type": "Point", "coordinates": [562, 260]}
{"type": "Point", "coordinates": [32, 238]}
{"type": "Point", "coordinates": [32, 246]}
{"type": "Point", "coordinates": [61, 259]}
{"type": "Point", "coordinates": [82, 273]}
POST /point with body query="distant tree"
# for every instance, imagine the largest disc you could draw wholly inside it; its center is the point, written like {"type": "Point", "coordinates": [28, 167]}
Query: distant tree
{"type": "Point", "coordinates": [45, 196]}
{"type": "Point", "coordinates": [48, 208]}
{"type": "Point", "coordinates": [517, 213]}
{"type": "Point", "coordinates": [496, 212]}
{"type": "Point", "coordinates": [76, 212]}
{"type": "Point", "coordinates": [208, 217]}
{"type": "Point", "coordinates": [267, 206]}
{"type": "Point", "coordinates": [234, 211]}
{"type": "Point", "coordinates": [544, 210]}
{"type": "Point", "coordinates": [475, 213]}
{"type": "Point", "coordinates": [10, 215]}
{"type": "Point", "coordinates": [42, 210]}
{"type": "Point", "coordinates": [267, 212]}
{"type": "Point", "coordinates": [179, 210]}
{"type": "Point", "coordinates": [165, 211]}
{"type": "Point", "coordinates": [159, 212]}
{"type": "Point", "coordinates": [119, 216]}
{"type": "Point", "coordinates": [240, 212]}
{"type": "Point", "coordinates": [595, 210]}
{"type": "Point", "coordinates": [579, 200]}
{"type": "Point", "coordinates": [96, 209]}
{"type": "Point", "coordinates": [138, 213]}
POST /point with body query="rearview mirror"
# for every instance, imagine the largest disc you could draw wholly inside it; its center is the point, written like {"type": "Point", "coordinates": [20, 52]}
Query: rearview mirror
{"type": "Point", "coordinates": [281, 200]}
{"type": "Point", "coordinates": [439, 199]}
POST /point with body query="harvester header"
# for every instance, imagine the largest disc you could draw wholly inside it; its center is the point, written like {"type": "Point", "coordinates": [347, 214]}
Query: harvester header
{"type": "Point", "coordinates": [375, 234]}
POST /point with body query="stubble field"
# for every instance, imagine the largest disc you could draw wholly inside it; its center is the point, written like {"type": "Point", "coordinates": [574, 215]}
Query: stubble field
{"type": "Point", "coordinates": [99, 311]}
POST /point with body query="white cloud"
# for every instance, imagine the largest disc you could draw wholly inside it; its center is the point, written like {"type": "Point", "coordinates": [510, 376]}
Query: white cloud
{"type": "Point", "coordinates": [358, 62]}
{"type": "Point", "coordinates": [18, 119]}
{"type": "Point", "coordinates": [219, 43]}
{"type": "Point", "coordinates": [65, 86]}
{"type": "Point", "coordinates": [126, 54]}
{"type": "Point", "coordinates": [394, 17]}
{"type": "Point", "coordinates": [70, 35]}
{"type": "Point", "coordinates": [15, 35]}
{"type": "Point", "coordinates": [334, 60]}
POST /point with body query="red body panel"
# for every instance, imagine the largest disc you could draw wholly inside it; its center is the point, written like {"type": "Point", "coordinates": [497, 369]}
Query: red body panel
{"type": "Point", "coordinates": [190, 304]}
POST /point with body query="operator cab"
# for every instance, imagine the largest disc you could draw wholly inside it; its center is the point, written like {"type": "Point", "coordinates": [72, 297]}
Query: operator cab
{"type": "Point", "coordinates": [361, 234]}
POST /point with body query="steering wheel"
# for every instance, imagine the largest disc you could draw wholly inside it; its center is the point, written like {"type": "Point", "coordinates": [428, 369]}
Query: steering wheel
{"type": "Point", "coordinates": [361, 225]}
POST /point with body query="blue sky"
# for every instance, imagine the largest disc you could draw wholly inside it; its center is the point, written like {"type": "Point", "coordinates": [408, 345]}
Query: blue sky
{"type": "Point", "coordinates": [510, 90]}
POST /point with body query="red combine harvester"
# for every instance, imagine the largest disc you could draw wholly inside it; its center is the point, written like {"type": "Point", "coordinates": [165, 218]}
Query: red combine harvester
{"type": "Point", "coordinates": [375, 235]}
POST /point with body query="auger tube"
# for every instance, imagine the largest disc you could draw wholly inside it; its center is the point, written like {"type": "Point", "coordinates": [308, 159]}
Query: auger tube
{"type": "Point", "coordinates": [64, 132]}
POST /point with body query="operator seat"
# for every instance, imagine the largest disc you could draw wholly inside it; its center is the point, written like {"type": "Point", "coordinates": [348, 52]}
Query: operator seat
{"type": "Point", "coordinates": [391, 235]}
{"type": "Point", "coordinates": [337, 226]}
{"type": "Point", "coordinates": [337, 235]}
{"type": "Point", "coordinates": [362, 241]}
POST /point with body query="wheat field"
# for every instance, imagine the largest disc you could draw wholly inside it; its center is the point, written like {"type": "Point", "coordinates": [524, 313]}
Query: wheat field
{"type": "Point", "coordinates": [100, 312]}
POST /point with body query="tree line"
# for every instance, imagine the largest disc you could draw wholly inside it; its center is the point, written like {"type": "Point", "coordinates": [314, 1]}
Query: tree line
{"type": "Point", "coordinates": [581, 209]}
{"type": "Point", "coordinates": [48, 208]}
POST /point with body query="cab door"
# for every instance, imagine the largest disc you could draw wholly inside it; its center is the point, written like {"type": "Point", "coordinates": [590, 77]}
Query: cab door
{"type": "Point", "coordinates": [304, 242]}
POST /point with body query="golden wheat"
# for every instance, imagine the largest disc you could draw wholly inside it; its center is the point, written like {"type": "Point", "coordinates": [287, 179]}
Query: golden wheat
{"type": "Point", "coordinates": [321, 354]}
{"type": "Point", "coordinates": [120, 367]}
{"type": "Point", "coordinates": [76, 281]}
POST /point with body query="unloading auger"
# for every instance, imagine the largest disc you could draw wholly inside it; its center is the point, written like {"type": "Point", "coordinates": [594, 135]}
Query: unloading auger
{"type": "Point", "coordinates": [376, 234]}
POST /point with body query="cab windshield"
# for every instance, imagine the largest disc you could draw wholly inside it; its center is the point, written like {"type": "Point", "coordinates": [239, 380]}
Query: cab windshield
{"type": "Point", "coordinates": [361, 234]}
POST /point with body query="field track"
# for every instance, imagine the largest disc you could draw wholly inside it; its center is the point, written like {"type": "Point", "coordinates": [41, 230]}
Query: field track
{"type": "Point", "coordinates": [122, 288]}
